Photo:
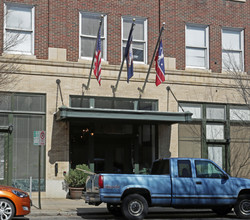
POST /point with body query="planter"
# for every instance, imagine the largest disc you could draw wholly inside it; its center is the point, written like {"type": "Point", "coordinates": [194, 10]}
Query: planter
{"type": "Point", "coordinates": [75, 193]}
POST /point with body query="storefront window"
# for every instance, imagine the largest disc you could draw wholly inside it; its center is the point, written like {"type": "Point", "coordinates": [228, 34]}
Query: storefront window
{"type": "Point", "coordinates": [26, 112]}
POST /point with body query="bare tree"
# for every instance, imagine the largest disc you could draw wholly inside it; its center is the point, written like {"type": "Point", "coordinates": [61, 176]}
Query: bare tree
{"type": "Point", "coordinates": [240, 146]}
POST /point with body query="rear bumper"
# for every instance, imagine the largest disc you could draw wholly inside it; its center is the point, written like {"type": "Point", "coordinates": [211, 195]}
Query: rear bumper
{"type": "Point", "coordinates": [92, 198]}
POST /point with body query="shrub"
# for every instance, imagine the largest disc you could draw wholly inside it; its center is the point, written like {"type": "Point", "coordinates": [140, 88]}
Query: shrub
{"type": "Point", "coordinates": [77, 178]}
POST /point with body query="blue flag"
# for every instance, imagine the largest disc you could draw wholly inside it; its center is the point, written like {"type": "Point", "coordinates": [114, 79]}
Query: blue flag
{"type": "Point", "coordinates": [129, 55]}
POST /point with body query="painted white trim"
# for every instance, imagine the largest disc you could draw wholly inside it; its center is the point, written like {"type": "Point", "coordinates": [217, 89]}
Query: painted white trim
{"type": "Point", "coordinates": [32, 31]}
{"type": "Point", "coordinates": [242, 46]}
{"type": "Point", "coordinates": [89, 36]}
{"type": "Point", "coordinates": [206, 48]}
{"type": "Point", "coordinates": [145, 42]}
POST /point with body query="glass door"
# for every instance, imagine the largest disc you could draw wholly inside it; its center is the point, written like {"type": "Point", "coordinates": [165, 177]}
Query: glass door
{"type": "Point", "coordinates": [3, 159]}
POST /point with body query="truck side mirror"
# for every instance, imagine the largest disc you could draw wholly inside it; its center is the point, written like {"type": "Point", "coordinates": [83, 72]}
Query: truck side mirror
{"type": "Point", "coordinates": [225, 176]}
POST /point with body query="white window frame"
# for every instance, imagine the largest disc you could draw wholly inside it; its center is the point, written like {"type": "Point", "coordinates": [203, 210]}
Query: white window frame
{"type": "Point", "coordinates": [104, 38]}
{"type": "Point", "coordinates": [206, 48]}
{"type": "Point", "coordinates": [145, 41]}
{"type": "Point", "coordinates": [241, 51]}
{"type": "Point", "coordinates": [32, 30]}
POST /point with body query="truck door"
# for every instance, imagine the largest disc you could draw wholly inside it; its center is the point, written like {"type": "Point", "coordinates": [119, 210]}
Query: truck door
{"type": "Point", "coordinates": [183, 185]}
{"type": "Point", "coordinates": [211, 186]}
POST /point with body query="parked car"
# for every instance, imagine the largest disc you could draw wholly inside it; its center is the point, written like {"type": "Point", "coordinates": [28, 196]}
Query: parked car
{"type": "Point", "coordinates": [13, 202]}
{"type": "Point", "coordinates": [174, 182]}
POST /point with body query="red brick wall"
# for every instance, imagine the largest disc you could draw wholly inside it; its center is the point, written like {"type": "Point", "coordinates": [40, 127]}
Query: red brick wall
{"type": "Point", "coordinates": [63, 29]}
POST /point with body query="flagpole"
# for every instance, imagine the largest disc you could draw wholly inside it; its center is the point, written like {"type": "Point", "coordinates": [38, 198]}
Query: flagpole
{"type": "Point", "coordinates": [146, 80]}
{"type": "Point", "coordinates": [114, 88]}
{"type": "Point", "coordinates": [99, 29]}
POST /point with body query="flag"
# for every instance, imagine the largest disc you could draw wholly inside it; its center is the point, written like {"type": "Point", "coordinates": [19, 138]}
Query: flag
{"type": "Point", "coordinates": [129, 55]}
{"type": "Point", "coordinates": [159, 67]}
{"type": "Point", "coordinates": [98, 58]}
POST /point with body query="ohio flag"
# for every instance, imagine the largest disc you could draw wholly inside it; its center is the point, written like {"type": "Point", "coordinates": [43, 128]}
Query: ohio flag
{"type": "Point", "coordinates": [98, 58]}
{"type": "Point", "coordinates": [159, 67]}
{"type": "Point", "coordinates": [129, 56]}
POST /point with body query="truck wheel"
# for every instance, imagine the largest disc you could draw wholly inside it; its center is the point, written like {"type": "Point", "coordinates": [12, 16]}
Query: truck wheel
{"type": "Point", "coordinates": [222, 210]}
{"type": "Point", "coordinates": [134, 207]}
{"type": "Point", "coordinates": [114, 209]}
{"type": "Point", "coordinates": [7, 209]}
{"type": "Point", "coordinates": [242, 206]}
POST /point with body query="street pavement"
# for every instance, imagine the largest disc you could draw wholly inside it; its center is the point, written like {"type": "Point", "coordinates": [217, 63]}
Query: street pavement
{"type": "Point", "coordinates": [68, 209]}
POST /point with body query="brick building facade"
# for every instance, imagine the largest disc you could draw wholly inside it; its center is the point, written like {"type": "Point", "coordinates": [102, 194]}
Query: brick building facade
{"type": "Point", "coordinates": [58, 44]}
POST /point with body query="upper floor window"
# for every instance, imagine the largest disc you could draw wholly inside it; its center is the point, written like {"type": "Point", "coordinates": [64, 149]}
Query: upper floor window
{"type": "Point", "coordinates": [232, 49]}
{"type": "Point", "coordinates": [139, 38]}
{"type": "Point", "coordinates": [197, 46]}
{"type": "Point", "coordinates": [89, 26]}
{"type": "Point", "coordinates": [19, 29]}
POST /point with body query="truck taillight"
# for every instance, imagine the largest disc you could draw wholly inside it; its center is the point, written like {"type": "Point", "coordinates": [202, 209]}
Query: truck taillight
{"type": "Point", "coordinates": [101, 181]}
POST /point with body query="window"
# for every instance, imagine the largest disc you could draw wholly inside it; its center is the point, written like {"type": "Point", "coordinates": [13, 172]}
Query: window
{"type": "Point", "coordinates": [197, 46]}
{"type": "Point", "coordinates": [139, 38]}
{"type": "Point", "coordinates": [215, 131]}
{"type": "Point", "coordinates": [239, 113]}
{"type": "Point", "coordinates": [27, 113]}
{"type": "Point", "coordinates": [215, 112]}
{"type": "Point", "coordinates": [160, 167]}
{"type": "Point", "coordinates": [184, 168]}
{"type": "Point", "coordinates": [19, 29]}
{"type": "Point", "coordinates": [89, 24]}
{"type": "Point", "coordinates": [232, 49]}
{"type": "Point", "coordinates": [193, 108]}
{"type": "Point", "coordinates": [113, 103]}
{"type": "Point", "coordinates": [206, 169]}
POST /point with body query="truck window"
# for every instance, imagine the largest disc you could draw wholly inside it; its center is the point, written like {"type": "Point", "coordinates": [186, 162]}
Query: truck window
{"type": "Point", "coordinates": [206, 169]}
{"type": "Point", "coordinates": [160, 167]}
{"type": "Point", "coordinates": [184, 168]}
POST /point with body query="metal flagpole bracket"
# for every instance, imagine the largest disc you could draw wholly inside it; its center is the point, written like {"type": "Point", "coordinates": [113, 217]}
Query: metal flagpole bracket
{"type": "Point", "coordinates": [58, 81]}
{"type": "Point", "coordinates": [169, 89]}
{"type": "Point", "coordinates": [86, 87]}
{"type": "Point", "coordinates": [114, 88]}
{"type": "Point", "coordinates": [141, 90]}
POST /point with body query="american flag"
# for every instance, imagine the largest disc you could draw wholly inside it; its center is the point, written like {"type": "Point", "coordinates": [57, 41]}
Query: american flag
{"type": "Point", "coordinates": [159, 67]}
{"type": "Point", "coordinates": [98, 58]}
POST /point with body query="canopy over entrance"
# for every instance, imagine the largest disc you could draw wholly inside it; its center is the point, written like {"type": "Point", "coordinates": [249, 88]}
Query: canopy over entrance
{"type": "Point", "coordinates": [156, 117]}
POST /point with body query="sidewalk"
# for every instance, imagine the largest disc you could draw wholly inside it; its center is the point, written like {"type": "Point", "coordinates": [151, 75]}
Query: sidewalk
{"type": "Point", "coordinates": [54, 207]}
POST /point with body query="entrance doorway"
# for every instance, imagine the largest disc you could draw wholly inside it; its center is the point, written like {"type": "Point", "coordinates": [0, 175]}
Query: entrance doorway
{"type": "Point", "coordinates": [109, 147]}
{"type": "Point", "coordinates": [5, 132]}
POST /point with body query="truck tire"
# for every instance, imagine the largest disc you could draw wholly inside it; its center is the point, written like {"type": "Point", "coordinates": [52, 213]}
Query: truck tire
{"type": "Point", "coordinates": [222, 210]}
{"type": "Point", "coordinates": [134, 207]}
{"type": "Point", "coordinates": [242, 207]}
{"type": "Point", "coordinates": [114, 209]}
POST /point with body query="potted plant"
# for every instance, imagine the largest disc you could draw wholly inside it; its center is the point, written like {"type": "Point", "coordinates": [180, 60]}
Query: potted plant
{"type": "Point", "coordinates": [76, 179]}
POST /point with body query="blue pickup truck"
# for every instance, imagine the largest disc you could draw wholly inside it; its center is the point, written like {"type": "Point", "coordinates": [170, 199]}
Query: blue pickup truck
{"type": "Point", "coordinates": [173, 182]}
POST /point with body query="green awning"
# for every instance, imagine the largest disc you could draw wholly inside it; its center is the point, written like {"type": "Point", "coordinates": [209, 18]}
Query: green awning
{"type": "Point", "coordinates": [66, 113]}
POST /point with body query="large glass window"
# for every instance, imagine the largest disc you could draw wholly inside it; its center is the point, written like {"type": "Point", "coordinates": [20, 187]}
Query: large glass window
{"type": "Point", "coordinates": [19, 29]}
{"type": "Point", "coordinates": [26, 112]}
{"type": "Point", "coordinates": [89, 25]}
{"type": "Point", "coordinates": [232, 49]}
{"type": "Point", "coordinates": [239, 113]}
{"type": "Point", "coordinates": [139, 38]}
{"type": "Point", "coordinates": [2, 154]}
{"type": "Point", "coordinates": [113, 103]}
{"type": "Point", "coordinates": [25, 154]}
{"type": "Point", "coordinates": [197, 46]}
